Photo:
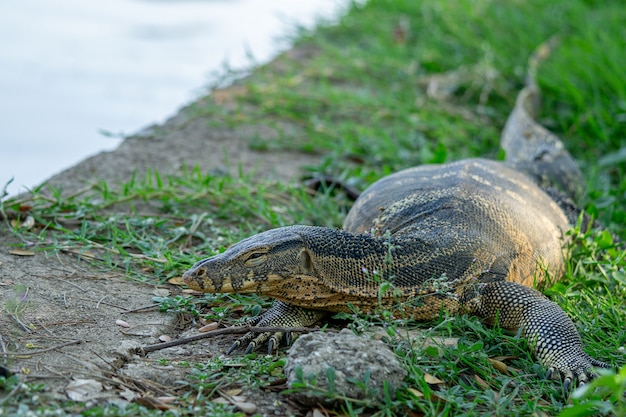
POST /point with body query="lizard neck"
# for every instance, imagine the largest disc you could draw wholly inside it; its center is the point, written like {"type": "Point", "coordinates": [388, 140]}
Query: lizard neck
{"type": "Point", "coordinates": [350, 262]}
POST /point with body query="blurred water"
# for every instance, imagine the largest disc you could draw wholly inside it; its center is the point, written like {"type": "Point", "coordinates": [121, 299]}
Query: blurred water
{"type": "Point", "coordinates": [70, 68]}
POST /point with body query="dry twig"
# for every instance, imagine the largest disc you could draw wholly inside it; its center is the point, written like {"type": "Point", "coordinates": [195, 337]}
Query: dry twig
{"type": "Point", "coordinates": [142, 351]}
{"type": "Point", "coordinates": [39, 352]}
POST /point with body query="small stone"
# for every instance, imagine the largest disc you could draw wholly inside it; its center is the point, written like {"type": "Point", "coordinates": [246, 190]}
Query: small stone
{"type": "Point", "coordinates": [122, 323]}
{"type": "Point", "coordinates": [352, 358]}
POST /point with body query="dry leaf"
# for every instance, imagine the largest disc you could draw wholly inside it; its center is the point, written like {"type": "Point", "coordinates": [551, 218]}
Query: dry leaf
{"type": "Point", "coordinates": [152, 403]}
{"type": "Point", "coordinates": [417, 393]}
{"type": "Point", "coordinates": [431, 379]}
{"type": "Point", "coordinates": [220, 400]}
{"type": "Point", "coordinates": [237, 401]}
{"type": "Point", "coordinates": [21, 252]}
{"type": "Point", "coordinates": [208, 327]}
{"type": "Point", "coordinates": [28, 222]}
{"type": "Point", "coordinates": [128, 395]}
{"type": "Point", "coordinates": [248, 408]}
{"type": "Point", "coordinates": [176, 281]}
{"type": "Point", "coordinates": [83, 389]}
{"type": "Point", "coordinates": [483, 384]}
{"type": "Point", "coordinates": [237, 309]}
{"type": "Point", "coordinates": [499, 365]}
{"type": "Point", "coordinates": [233, 392]}
{"type": "Point", "coordinates": [238, 398]}
{"type": "Point", "coordinates": [319, 413]}
{"type": "Point", "coordinates": [167, 400]}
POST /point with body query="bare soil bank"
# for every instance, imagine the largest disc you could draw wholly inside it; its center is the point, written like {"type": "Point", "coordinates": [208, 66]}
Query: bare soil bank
{"type": "Point", "coordinates": [68, 328]}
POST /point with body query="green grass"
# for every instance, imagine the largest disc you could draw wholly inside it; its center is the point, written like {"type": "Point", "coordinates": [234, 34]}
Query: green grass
{"type": "Point", "coordinates": [360, 101]}
{"type": "Point", "coordinates": [162, 223]}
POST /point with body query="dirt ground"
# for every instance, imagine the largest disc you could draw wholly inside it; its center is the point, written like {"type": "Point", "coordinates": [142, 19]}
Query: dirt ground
{"type": "Point", "coordinates": [67, 327]}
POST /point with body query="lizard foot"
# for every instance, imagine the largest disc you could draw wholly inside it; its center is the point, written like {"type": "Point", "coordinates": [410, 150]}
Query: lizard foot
{"type": "Point", "coordinates": [279, 315]}
{"type": "Point", "coordinates": [578, 368]}
{"type": "Point", "coordinates": [554, 339]}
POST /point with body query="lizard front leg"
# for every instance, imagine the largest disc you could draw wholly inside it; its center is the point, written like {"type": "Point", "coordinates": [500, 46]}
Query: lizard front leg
{"type": "Point", "coordinates": [279, 315]}
{"type": "Point", "coordinates": [552, 334]}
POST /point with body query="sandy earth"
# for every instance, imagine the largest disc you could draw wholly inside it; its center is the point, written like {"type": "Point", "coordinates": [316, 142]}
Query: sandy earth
{"type": "Point", "coordinates": [59, 322]}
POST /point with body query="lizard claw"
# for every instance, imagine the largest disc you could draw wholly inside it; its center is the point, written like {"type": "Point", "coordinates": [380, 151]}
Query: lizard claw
{"type": "Point", "coordinates": [260, 339]}
{"type": "Point", "coordinates": [274, 342]}
{"type": "Point", "coordinates": [566, 383]}
{"type": "Point", "coordinates": [233, 347]}
{"type": "Point", "coordinates": [251, 346]}
{"type": "Point", "coordinates": [251, 342]}
{"type": "Point", "coordinates": [281, 314]}
{"type": "Point", "coordinates": [579, 368]}
{"type": "Point", "coordinates": [549, 373]}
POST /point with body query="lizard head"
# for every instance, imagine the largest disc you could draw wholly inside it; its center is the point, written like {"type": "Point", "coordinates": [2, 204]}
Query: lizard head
{"type": "Point", "coordinates": [256, 264]}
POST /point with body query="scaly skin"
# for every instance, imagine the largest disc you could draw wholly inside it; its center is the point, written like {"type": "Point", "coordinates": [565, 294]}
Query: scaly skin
{"type": "Point", "coordinates": [471, 236]}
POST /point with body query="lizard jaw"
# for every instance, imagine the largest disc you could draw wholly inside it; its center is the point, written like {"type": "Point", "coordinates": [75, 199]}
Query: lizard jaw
{"type": "Point", "coordinates": [198, 279]}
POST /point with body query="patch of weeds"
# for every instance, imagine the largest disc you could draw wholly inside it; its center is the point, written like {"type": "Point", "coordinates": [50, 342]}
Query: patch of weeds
{"type": "Point", "coordinates": [18, 399]}
{"type": "Point", "coordinates": [349, 406]}
{"type": "Point", "coordinates": [372, 92]}
{"type": "Point", "coordinates": [465, 380]}
{"type": "Point", "coordinates": [149, 229]}
{"type": "Point", "coordinates": [310, 385]}
{"type": "Point", "coordinates": [215, 307]}
{"type": "Point", "coordinates": [179, 304]}
{"type": "Point", "coordinates": [16, 305]}
{"type": "Point", "coordinates": [249, 371]}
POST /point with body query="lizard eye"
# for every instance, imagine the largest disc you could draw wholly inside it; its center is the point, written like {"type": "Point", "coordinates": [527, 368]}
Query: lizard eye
{"type": "Point", "coordinates": [255, 258]}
